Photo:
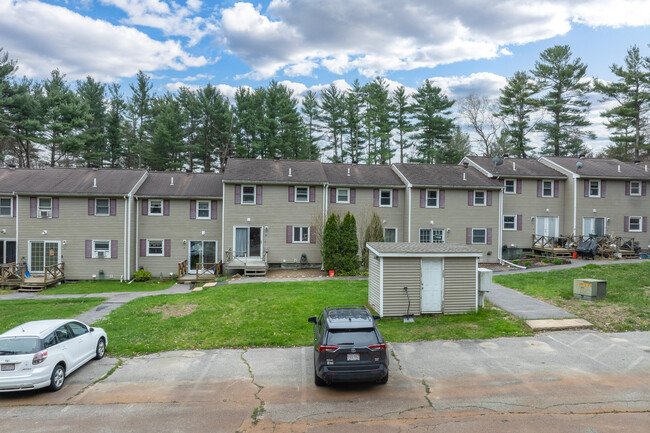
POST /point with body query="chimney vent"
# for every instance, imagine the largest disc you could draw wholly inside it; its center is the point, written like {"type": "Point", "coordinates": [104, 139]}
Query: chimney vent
{"type": "Point", "coordinates": [172, 182]}
{"type": "Point", "coordinates": [514, 167]}
{"type": "Point", "coordinates": [464, 177]}
{"type": "Point", "coordinates": [94, 182]}
{"type": "Point", "coordinates": [348, 171]}
{"type": "Point", "coordinates": [619, 168]}
{"type": "Point", "coordinates": [290, 172]}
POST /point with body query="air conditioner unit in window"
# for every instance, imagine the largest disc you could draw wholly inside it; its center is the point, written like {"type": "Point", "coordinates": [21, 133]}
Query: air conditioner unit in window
{"type": "Point", "coordinates": [100, 254]}
{"type": "Point", "coordinates": [46, 214]}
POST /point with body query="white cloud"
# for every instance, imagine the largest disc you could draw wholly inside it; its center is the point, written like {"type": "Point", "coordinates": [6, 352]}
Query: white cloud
{"type": "Point", "coordinates": [42, 37]}
{"type": "Point", "coordinates": [482, 83]}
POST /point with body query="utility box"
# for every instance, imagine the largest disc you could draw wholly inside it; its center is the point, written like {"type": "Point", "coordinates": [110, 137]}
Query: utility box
{"type": "Point", "coordinates": [484, 283]}
{"type": "Point", "coordinates": [589, 289]}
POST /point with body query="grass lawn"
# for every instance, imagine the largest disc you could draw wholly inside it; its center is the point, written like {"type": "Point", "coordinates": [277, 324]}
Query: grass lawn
{"type": "Point", "coordinates": [269, 314]}
{"type": "Point", "coordinates": [15, 312]}
{"type": "Point", "coordinates": [90, 287]}
{"type": "Point", "coordinates": [625, 308]}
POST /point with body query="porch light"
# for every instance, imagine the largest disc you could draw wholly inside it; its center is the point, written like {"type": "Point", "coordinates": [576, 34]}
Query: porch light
{"type": "Point", "coordinates": [202, 232]}
{"type": "Point", "coordinates": [3, 231]}
{"type": "Point", "coordinates": [594, 210]}
{"type": "Point", "coordinates": [184, 241]}
{"type": "Point", "coordinates": [44, 232]}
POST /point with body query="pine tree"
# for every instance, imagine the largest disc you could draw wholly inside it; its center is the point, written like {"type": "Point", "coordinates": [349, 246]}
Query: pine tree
{"type": "Point", "coordinates": [311, 112]}
{"type": "Point", "coordinates": [93, 134]}
{"type": "Point", "coordinates": [7, 70]}
{"type": "Point", "coordinates": [139, 113]}
{"type": "Point", "coordinates": [433, 124]}
{"type": "Point", "coordinates": [403, 125]}
{"type": "Point", "coordinates": [166, 149]}
{"type": "Point", "coordinates": [349, 247]}
{"type": "Point", "coordinates": [331, 243]}
{"type": "Point", "coordinates": [191, 119]}
{"type": "Point", "coordinates": [215, 127]}
{"type": "Point", "coordinates": [115, 126]}
{"type": "Point", "coordinates": [333, 116]}
{"type": "Point", "coordinates": [379, 121]}
{"type": "Point", "coordinates": [23, 119]}
{"type": "Point", "coordinates": [453, 151]}
{"type": "Point", "coordinates": [373, 233]}
{"type": "Point", "coordinates": [353, 122]}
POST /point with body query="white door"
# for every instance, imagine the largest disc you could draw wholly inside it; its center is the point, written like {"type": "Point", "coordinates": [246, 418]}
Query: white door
{"type": "Point", "coordinates": [431, 299]}
{"type": "Point", "coordinates": [43, 254]}
{"type": "Point", "coordinates": [202, 253]}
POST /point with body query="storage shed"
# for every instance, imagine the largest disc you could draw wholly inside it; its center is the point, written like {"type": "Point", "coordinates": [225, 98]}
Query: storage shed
{"type": "Point", "coordinates": [439, 277]}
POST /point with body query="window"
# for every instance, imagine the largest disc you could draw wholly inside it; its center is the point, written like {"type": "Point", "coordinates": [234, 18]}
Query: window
{"type": "Point", "coordinates": [594, 188]}
{"type": "Point", "coordinates": [102, 207]}
{"type": "Point", "coordinates": [635, 188]}
{"type": "Point", "coordinates": [436, 236]}
{"type": "Point", "coordinates": [479, 198]}
{"type": "Point", "coordinates": [343, 195]}
{"type": "Point", "coordinates": [385, 198]}
{"type": "Point", "coordinates": [302, 194]}
{"type": "Point", "coordinates": [155, 207]}
{"type": "Point", "coordinates": [511, 186]}
{"type": "Point", "coordinates": [101, 249]}
{"type": "Point", "coordinates": [390, 234]}
{"type": "Point", "coordinates": [248, 194]}
{"type": "Point", "coordinates": [593, 226]}
{"type": "Point", "coordinates": [155, 247]}
{"type": "Point", "coordinates": [425, 236]}
{"type": "Point", "coordinates": [547, 188]}
{"type": "Point", "coordinates": [203, 210]}
{"type": "Point", "coordinates": [62, 334]}
{"type": "Point", "coordinates": [44, 207]}
{"type": "Point", "coordinates": [509, 222]}
{"type": "Point", "coordinates": [301, 234]}
{"type": "Point", "coordinates": [635, 224]}
{"type": "Point", "coordinates": [432, 198]}
{"type": "Point", "coordinates": [5, 206]}
{"type": "Point", "coordinates": [479, 236]}
{"type": "Point", "coordinates": [77, 329]}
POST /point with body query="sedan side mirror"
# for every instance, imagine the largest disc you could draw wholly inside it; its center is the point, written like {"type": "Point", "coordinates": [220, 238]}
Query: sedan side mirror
{"type": "Point", "coordinates": [92, 329]}
{"type": "Point", "coordinates": [312, 320]}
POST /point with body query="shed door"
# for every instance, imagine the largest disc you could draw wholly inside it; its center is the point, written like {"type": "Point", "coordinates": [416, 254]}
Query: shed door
{"type": "Point", "coordinates": [431, 301]}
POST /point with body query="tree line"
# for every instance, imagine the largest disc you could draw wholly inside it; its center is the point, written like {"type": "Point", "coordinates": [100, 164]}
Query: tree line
{"type": "Point", "coordinates": [50, 123]}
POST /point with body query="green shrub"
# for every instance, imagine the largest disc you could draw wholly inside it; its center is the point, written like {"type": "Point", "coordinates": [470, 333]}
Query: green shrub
{"type": "Point", "coordinates": [142, 275]}
{"type": "Point", "coordinates": [374, 233]}
{"type": "Point", "coordinates": [350, 262]}
{"type": "Point", "coordinates": [545, 260]}
{"type": "Point", "coordinates": [558, 261]}
{"type": "Point", "coordinates": [331, 242]}
{"type": "Point", "coordinates": [527, 264]}
{"type": "Point", "coordinates": [516, 262]}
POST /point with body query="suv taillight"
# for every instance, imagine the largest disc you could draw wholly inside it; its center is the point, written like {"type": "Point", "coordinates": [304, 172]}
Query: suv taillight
{"type": "Point", "coordinates": [327, 348]}
{"type": "Point", "coordinates": [377, 346]}
{"type": "Point", "coordinates": [39, 357]}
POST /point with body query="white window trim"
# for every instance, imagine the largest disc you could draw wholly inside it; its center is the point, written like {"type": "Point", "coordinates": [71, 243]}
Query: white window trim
{"type": "Point", "coordinates": [552, 189]}
{"type": "Point", "coordinates": [162, 205]}
{"type": "Point", "coordinates": [391, 228]}
{"type": "Point", "coordinates": [514, 222]}
{"type": "Point", "coordinates": [108, 208]}
{"type": "Point", "coordinates": [599, 189]}
{"type": "Point", "coordinates": [11, 207]}
{"type": "Point", "coordinates": [437, 199]}
{"type": "Point", "coordinates": [514, 186]}
{"type": "Point", "coordinates": [107, 254]}
{"type": "Point", "coordinates": [638, 184]}
{"type": "Point", "coordinates": [390, 192]}
{"type": "Point", "coordinates": [295, 194]}
{"type": "Point", "coordinates": [479, 243]}
{"type": "Point", "coordinates": [430, 230]}
{"type": "Point", "coordinates": [254, 195]}
{"type": "Point", "coordinates": [162, 247]}
{"type": "Point", "coordinates": [39, 210]}
{"type": "Point", "coordinates": [348, 195]}
{"type": "Point", "coordinates": [484, 197]}
{"type": "Point", "coordinates": [640, 229]}
{"type": "Point", "coordinates": [198, 217]}
{"type": "Point", "coordinates": [293, 234]}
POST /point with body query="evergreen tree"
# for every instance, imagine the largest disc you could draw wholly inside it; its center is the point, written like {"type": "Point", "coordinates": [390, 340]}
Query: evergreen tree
{"type": "Point", "coordinates": [433, 124]}
{"type": "Point", "coordinates": [166, 150]}
{"type": "Point", "coordinates": [403, 125]}
{"type": "Point", "coordinates": [349, 247]}
{"type": "Point", "coordinates": [115, 126]}
{"type": "Point", "coordinates": [353, 122]}
{"type": "Point", "coordinates": [373, 233]}
{"type": "Point", "coordinates": [93, 135]}
{"type": "Point", "coordinates": [379, 121]}
{"type": "Point", "coordinates": [139, 114]}
{"type": "Point", "coordinates": [7, 70]}
{"type": "Point", "coordinates": [215, 128]}
{"type": "Point", "coordinates": [333, 116]}
{"type": "Point", "coordinates": [191, 117]}
{"type": "Point", "coordinates": [311, 113]}
{"type": "Point", "coordinates": [249, 122]}
{"type": "Point", "coordinates": [565, 100]}
{"type": "Point", "coordinates": [23, 120]}
{"type": "Point", "coordinates": [331, 243]}
{"type": "Point", "coordinates": [291, 140]}
{"type": "Point", "coordinates": [453, 151]}
{"type": "Point", "coordinates": [516, 104]}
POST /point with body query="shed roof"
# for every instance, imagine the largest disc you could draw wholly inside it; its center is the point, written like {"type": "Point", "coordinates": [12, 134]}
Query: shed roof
{"type": "Point", "coordinates": [361, 175]}
{"type": "Point", "coordinates": [516, 168]}
{"type": "Point", "coordinates": [403, 249]}
{"type": "Point", "coordinates": [599, 168]}
{"type": "Point", "coordinates": [443, 175]}
{"type": "Point", "coordinates": [165, 184]}
{"type": "Point", "coordinates": [274, 171]}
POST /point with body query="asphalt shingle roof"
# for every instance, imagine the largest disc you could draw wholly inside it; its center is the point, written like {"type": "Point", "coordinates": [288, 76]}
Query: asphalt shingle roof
{"type": "Point", "coordinates": [361, 175]}
{"type": "Point", "coordinates": [600, 168]}
{"type": "Point", "coordinates": [420, 248]}
{"type": "Point", "coordinates": [272, 171]}
{"type": "Point", "coordinates": [517, 168]}
{"type": "Point", "coordinates": [446, 176]}
{"type": "Point", "coordinates": [199, 185]}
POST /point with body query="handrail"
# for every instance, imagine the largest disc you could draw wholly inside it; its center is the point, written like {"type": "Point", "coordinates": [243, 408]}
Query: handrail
{"type": "Point", "coordinates": [182, 268]}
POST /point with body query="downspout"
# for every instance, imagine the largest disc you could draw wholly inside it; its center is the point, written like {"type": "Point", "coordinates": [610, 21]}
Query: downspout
{"type": "Point", "coordinates": [409, 191]}
{"type": "Point", "coordinates": [137, 233]}
{"type": "Point", "coordinates": [131, 196]}
{"type": "Point", "coordinates": [124, 244]}
{"type": "Point", "coordinates": [16, 216]}
{"type": "Point", "coordinates": [326, 187]}
{"type": "Point", "coordinates": [223, 222]}
{"type": "Point", "coordinates": [575, 203]}
{"type": "Point", "coordinates": [499, 249]}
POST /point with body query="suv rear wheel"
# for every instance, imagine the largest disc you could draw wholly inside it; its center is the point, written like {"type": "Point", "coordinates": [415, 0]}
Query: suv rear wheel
{"type": "Point", "coordinates": [318, 381]}
{"type": "Point", "coordinates": [383, 380]}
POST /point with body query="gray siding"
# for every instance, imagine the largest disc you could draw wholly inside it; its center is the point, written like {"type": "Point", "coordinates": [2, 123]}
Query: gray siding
{"type": "Point", "coordinates": [460, 289]}
{"type": "Point", "coordinates": [400, 272]}
{"type": "Point", "coordinates": [374, 289]}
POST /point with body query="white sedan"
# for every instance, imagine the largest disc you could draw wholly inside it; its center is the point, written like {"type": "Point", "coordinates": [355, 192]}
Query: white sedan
{"type": "Point", "coordinates": [42, 353]}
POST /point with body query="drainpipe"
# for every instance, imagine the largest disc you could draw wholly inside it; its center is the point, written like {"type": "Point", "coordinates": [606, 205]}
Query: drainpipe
{"type": "Point", "coordinates": [125, 252]}
{"type": "Point", "coordinates": [499, 249]}
{"type": "Point", "coordinates": [137, 233]}
{"type": "Point", "coordinates": [223, 223]}
{"type": "Point", "coordinates": [410, 199]}
{"type": "Point", "coordinates": [326, 187]}
{"type": "Point", "coordinates": [575, 203]}
{"type": "Point", "coordinates": [16, 217]}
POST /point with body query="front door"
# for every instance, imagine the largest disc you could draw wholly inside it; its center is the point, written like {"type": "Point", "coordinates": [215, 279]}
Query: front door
{"type": "Point", "coordinates": [203, 253]}
{"type": "Point", "coordinates": [431, 299]}
{"type": "Point", "coordinates": [248, 242]}
{"type": "Point", "coordinates": [43, 254]}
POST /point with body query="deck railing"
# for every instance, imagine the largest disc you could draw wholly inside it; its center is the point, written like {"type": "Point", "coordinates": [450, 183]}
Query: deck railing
{"type": "Point", "coordinates": [200, 269]}
{"type": "Point", "coordinates": [12, 273]}
{"type": "Point", "coordinates": [54, 272]}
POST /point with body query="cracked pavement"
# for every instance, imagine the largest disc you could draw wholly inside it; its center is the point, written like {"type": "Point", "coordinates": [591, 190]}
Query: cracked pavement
{"type": "Point", "coordinates": [563, 381]}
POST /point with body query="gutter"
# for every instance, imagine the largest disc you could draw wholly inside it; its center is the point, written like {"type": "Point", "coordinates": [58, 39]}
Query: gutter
{"type": "Point", "coordinates": [409, 188]}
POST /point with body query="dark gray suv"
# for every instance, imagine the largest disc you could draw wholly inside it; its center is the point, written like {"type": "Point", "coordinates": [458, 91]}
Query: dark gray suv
{"type": "Point", "coordinates": [348, 347]}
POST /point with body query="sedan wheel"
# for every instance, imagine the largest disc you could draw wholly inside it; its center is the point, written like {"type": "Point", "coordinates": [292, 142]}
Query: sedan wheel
{"type": "Point", "coordinates": [101, 349]}
{"type": "Point", "coordinates": [58, 378]}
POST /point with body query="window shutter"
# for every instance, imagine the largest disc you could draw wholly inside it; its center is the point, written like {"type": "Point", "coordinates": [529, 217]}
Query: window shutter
{"type": "Point", "coordinates": [291, 194]}
{"type": "Point", "coordinates": [603, 188]}
{"type": "Point", "coordinates": [470, 198]}
{"type": "Point", "coordinates": [113, 207]}
{"type": "Point", "coordinates": [15, 199]}
{"type": "Point", "coordinates": [333, 195]}
{"type": "Point", "coordinates": [32, 207]}
{"type": "Point", "coordinates": [258, 192]}
{"type": "Point", "coordinates": [353, 195]}
{"type": "Point", "coordinates": [145, 207]}
{"type": "Point", "coordinates": [55, 207]}
{"type": "Point", "coordinates": [539, 188]}
{"type": "Point", "coordinates": [168, 247]}
{"type": "Point", "coordinates": [165, 207]}
{"type": "Point", "coordinates": [289, 237]}
{"type": "Point", "coordinates": [586, 182]}
{"type": "Point", "coordinates": [423, 198]}
{"type": "Point", "coordinates": [643, 188]}
{"type": "Point", "coordinates": [395, 198]}
{"type": "Point", "coordinates": [519, 222]}
{"type": "Point", "coordinates": [312, 235]}
{"type": "Point", "coordinates": [626, 224]}
{"type": "Point", "coordinates": [143, 247]}
{"type": "Point", "coordinates": [213, 209]}
{"type": "Point", "coordinates": [489, 198]}
{"type": "Point", "coordinates": [645, 224]}
{"type": "Point", "coordinates": [89, 249]}
{"type": "Point", "coordinates": [192, 209]}
{"type": "Point", "coordinates": [441, 199]}
{"type": "Point", "coordinates": [91, 206]}
{"type": "Point", "coordinates": [468, 235]}
{"type": "Point", "coordinates": [556, 188]}
{"type": "Point", "coordinates": [237, 194]}
{"type": "Point", "coordinates": [312, 194]}
{"type": "Point", "coordinates": [114, 249]}
{"type": "Point", "coordinates": [375, 195]}
{"type": "Point", "coordinates": [489, 236]}
{"type": "Point", "coordinates": [519, 183]}
{"type": "Point", "coordinates": [627, 187]}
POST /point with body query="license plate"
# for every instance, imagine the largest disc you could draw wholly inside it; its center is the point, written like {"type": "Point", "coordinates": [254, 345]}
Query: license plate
{"type": "Point", "coordinates": [353, 357]}
{"type": "Point", "coordinates": [8, 367]}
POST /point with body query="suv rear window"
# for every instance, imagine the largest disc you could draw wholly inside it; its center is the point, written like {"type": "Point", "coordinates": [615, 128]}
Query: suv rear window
{"type": "Point", "coordinates": [360, 337]}
{"type": "Point", "coordinates": [20, 346]}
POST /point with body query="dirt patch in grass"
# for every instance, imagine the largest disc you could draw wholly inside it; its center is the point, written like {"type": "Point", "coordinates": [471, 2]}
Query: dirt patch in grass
{"type": "Point", "coordinates": [606, 317]}
{"type": "Point", "coordinates": [174, 310]}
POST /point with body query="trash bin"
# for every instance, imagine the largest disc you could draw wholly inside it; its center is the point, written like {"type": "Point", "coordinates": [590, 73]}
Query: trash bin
{"type": "Point", "coordinates": [331, 273]}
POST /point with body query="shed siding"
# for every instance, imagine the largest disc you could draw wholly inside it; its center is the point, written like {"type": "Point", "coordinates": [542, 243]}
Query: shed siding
{"type": "Point", "coordinates": [400, 272]}
{"type": "Point", "coordinates": [460, 289]}
{"type": "Point", "coordinates": [374, 289]}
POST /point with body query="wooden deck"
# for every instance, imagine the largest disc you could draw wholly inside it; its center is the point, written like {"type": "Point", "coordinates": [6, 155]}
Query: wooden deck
{"type": "Point", "coordinates": [202, 272]}
{"type": "Point", "coordinates": [252, 266]}
{"type": "Point", "coordinates": [13, 275]}
{"type": "Point", "coordinates": [565, 246]}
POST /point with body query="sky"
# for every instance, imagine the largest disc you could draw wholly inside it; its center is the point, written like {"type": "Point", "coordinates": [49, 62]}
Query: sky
{"type": "Point", "coordinates": [464, 46]}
